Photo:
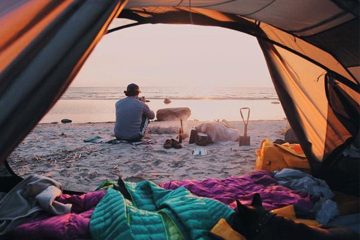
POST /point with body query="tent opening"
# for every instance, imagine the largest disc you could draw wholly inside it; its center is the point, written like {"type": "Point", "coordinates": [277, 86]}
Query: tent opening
{"type": "Point", "coordinates": [212, 71]}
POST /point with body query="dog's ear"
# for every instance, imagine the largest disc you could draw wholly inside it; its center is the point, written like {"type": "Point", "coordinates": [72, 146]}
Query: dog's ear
{"type": "Point", "coordinates": [256, 202]}
{"type": "Point", "coordinates": [239, 207]}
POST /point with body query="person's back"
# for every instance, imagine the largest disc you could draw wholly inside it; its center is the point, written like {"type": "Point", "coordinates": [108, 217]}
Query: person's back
{"type": "Point", "coordinates": [131, 116]}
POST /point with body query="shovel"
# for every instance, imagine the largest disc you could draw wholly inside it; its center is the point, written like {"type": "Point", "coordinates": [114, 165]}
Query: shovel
{"type": "Point", "coordinates": [245, 140]}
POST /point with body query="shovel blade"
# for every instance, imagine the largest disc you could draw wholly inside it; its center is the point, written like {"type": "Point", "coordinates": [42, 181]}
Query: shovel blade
{"type": "Point", "coordinates": [244, 141]}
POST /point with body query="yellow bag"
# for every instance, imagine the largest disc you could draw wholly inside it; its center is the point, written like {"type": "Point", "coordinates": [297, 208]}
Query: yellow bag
{"type": "Point", "coordinates": [223, 230]}
{"type": "Point", "coordinates": [272, 156]}
{"type": "Point", "coordinates": [289, 213]}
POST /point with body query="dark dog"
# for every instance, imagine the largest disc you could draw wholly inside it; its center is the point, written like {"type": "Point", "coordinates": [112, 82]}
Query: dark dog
{"type": "Point", "coordinates": [258, 224]}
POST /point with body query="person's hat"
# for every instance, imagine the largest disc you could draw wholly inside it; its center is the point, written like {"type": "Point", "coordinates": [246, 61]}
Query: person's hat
{"type": "Point", "coordinates": [132, 88]}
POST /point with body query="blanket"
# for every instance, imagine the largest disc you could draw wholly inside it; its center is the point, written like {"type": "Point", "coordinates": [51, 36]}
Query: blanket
{"type": "Point", "coordinates": [218, 132]}
{"type": "Point", "coordinates": [155, 213]}
{"type": "Point", "coordinates": [74, 225]}
{"type": "Point", "coordinates": [243, 188]}
{"type": "Point", "coordinates": [29, 197]}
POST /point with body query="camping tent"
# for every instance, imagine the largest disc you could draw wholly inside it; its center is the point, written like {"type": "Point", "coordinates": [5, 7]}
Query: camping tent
{"type": "Point", "coordinates": [311, 49]}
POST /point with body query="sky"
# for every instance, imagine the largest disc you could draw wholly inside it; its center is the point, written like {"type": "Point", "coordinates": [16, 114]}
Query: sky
{"type": "Point", "coordinates": [175, 56]}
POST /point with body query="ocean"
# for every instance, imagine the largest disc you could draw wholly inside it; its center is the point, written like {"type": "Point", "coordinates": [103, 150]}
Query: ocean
{"type": "Point", "coordinates": [97, 104]}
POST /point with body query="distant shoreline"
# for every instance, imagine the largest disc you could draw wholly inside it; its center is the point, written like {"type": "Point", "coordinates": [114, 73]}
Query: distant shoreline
{"type": "Point", "coordinates": [182, 98]}
{"type": "Point", "coordinates": [179, 93]}
{"type": "Point", "coordinates": [204, 110]}
{"type": "Point", "coordinates": [192, 121]}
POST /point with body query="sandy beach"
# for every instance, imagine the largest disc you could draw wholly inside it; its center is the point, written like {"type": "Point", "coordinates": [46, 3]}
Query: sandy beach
{"type": "Point", "coordinates": [59, 151]}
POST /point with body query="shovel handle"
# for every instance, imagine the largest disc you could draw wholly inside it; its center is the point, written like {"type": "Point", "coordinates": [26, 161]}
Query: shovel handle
{"type": "Point", "coordinates": [247, 118]}
{"type": "Point", "coordinates": [242, 115]}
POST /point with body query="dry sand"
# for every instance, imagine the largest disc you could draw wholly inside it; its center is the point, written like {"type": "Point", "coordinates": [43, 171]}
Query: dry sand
{"type": "Point", "coordinates": [59, 151]}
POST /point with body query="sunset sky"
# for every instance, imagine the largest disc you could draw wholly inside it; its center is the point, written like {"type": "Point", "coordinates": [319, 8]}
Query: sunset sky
{"type": "Point", "coordinates": [175, 55]}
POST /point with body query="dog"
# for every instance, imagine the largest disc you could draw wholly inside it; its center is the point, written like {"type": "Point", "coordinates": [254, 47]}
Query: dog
{"type": "Point", "coordinates": [255, 223]}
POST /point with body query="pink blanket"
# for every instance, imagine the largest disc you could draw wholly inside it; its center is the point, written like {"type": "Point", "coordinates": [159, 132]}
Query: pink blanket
{"type": "Point", "coordinates": [243, 188]}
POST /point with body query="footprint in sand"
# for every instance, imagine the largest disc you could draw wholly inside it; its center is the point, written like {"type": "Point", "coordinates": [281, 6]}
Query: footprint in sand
{"type": "Point", "coordinates": [177, 164]}
{"type": "Point", "coordinates": [191, 168]}
{"type": "Point", "coordinates": [48, 165]}
{"type": "Point", "coordinates": [134, 179]}
{"type": "Point", "coordinates": [240, 160]}
{"type": "Point", "coordinates": [65, 173]}
{"type": "Point", "coordinates": [161, 151]}
{"type": "Point", "coordinates": [93, 175]}
{"type": "Point", "coordinates": [135, 168]}
{"type": "Point", "coordinates": [156, 163]}
{"type": "Point", "coordinates": [236, 155]}
{"type": "Point", "coordinates": [83, 172]}
{"type": "Point", "coordinates": [115, 172]}
{"type": "Point", "coordinates": [225, 175]}
{"type": "Point", "coordinates": [183, 176]}
{"type": "Point", "coordinates": [146, 156]}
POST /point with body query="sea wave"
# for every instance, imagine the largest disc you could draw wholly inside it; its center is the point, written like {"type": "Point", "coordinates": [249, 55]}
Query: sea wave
{"type": "Point", "coordinates": [155, 93]}
{"type": "Point", "coordinates": [171, 98]}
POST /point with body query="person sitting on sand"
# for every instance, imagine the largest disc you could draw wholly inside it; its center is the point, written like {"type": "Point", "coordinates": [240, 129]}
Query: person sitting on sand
{"type": "Point", "coordinates": [132, 115]}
